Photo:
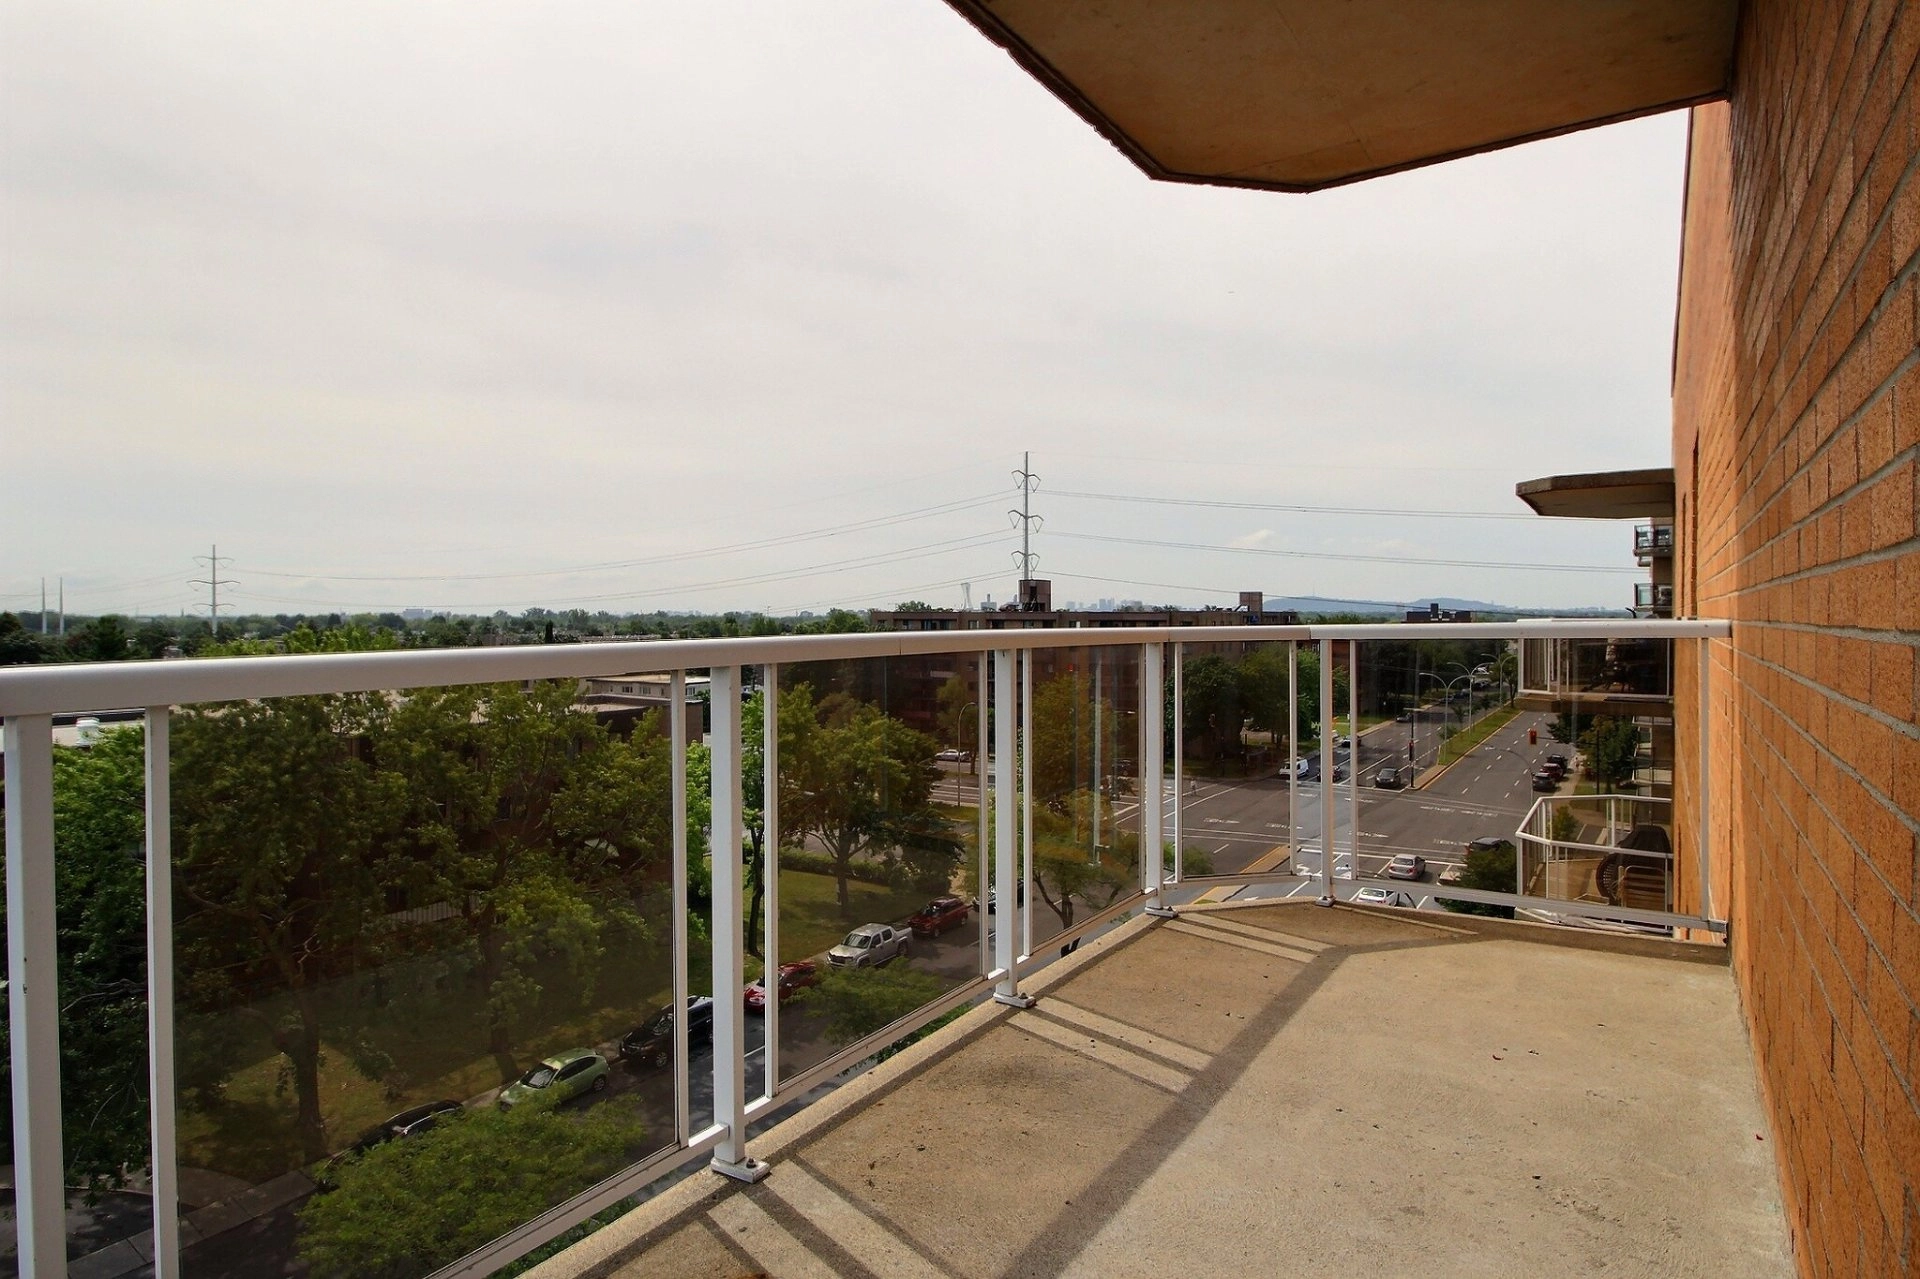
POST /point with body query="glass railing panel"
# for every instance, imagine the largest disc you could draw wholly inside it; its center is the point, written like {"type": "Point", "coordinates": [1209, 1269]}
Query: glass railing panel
{"type": "Point", "coordinates": [878, 782]}
{"type": "Point", "coordinates": [99, 798]}
{"type": "Point", "coordinates": [1614, 850]}
{"type": "Point", "coordinates": [1088, 788]}
{"type": "Point", "coordinates": [422, 941]}
{"type": "Point", "coordinates": [1238, 751]}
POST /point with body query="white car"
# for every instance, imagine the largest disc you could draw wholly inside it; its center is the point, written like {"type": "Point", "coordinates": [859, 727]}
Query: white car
{"type": "Point", "coordinates": [1372, 896]}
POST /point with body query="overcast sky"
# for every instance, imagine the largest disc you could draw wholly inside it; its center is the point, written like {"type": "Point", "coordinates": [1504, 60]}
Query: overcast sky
{"type": "Point", "coordinates": [480, 305]}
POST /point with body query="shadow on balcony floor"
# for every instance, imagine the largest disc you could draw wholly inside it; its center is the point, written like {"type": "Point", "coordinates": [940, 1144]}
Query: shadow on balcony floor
{"type": "Point", "coordinates": [1276, 1089]}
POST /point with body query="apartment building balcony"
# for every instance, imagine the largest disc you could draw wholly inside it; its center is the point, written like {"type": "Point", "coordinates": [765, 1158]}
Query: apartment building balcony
{"type": "Point", "coordinates": [1651, 542]}
{"type": "Point", "coordinates": [1275, 1089]}
{"type": "Point", "coordinates": [1233, 1054]}
{"type": "Point", "coordinates": [1652, 599]}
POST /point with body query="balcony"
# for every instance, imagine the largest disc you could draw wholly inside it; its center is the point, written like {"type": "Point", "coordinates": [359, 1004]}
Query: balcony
{"type": "Point", "coordinates": [1652, 599]}
{"type": "Point", "coordinates": [1653, 541]}
{"type": "Point", "coordinates": [505, 879]}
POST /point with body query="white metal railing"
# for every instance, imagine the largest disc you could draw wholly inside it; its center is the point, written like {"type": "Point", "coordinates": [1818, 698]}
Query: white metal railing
{"type": "Point", "coordinates": [30, 697]}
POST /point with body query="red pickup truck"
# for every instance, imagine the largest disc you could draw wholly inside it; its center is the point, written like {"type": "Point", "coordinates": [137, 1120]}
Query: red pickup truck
{"type": "Point", "coordinates": [938, 915]}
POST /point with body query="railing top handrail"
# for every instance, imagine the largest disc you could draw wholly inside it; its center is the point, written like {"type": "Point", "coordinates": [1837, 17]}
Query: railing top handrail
{"type": "Point", "coordinates": [48, 690]}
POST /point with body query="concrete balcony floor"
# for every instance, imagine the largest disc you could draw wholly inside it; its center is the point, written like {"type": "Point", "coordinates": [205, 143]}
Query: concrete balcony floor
{"type": "Point", "coordinates": [1275, 1090]}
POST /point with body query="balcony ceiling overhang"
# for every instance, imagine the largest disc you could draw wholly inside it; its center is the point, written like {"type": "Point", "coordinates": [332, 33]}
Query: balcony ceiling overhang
{"type": "Point", "coordinates": [1296, 95]}
{"type": "Point", "coordinates": [1602, 495]}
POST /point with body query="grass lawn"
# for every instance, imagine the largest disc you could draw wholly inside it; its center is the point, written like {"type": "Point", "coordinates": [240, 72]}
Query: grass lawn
{"type": "Point", "coordinates": [1461, 743]}
{"type": "Point", "coordinates": [414, 1029]}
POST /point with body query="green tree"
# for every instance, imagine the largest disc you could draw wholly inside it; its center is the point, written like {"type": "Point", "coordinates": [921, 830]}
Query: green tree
{"type": "Point", "coordinates": [1070, 733]}
{"type": "Point", "coordinates": [862, 785]}
{"type": "Point", "coordinates": [18, 645]}
{"type": "Point", "coordinates": [1609, 749]}
{"type": "Point", "coordinates": [407, 1208]}
{"type": "Point", "coordinates": [853, 1003]}
{"type": "Point", "coordinates": [1563, 727]}
{"type": "Point", "coordinates": [1263, 689]}
{"type": "Point", "coordinates": [1210, 695]}
{"type": "Point", "coordinates": [104, 639]}
{"type": "Point", "coordinates": [513, 794]}
{"type": "Point", "coordinates": [280, 823]}
{"type": "Point", "coordinates": [1490, 870]}
{"type": "Point", "coordinates": [959, 717]}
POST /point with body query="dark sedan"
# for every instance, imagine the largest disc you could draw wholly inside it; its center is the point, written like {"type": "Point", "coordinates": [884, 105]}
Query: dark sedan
{"type": "Point", "coordinates": [651, 1042]}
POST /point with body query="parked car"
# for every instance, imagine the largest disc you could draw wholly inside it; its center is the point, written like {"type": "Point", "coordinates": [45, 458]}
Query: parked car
{"type": "Point", "coordinates": [953, 756]}
{"type": "Point", "coordinates": [1407, 866]}
{"type": "Point", "coordinates": [870, 946]}
{"type": "Point", "coordinates": [1557, 771]}
{"type": "Point", "coordinates": [1372, 896]}
{"type": "Point", "coordinates": [1561, 760]}
{"type": "Point", "coordinates": [408, 1123]}
{"type": "Point", "coordinates": [1546, 783]}
{"type": "Point", "coordinates": [651, 1042]}
{"type": "Point", "coordinates": [562, 1076]}
{"type": "Point", "coordinates": [794, 978]}
{"type": "Point", "coordinates": [1019, 896]}
{"type": "Point", "coordinates": [938, 915]}
{"type": "Point", "coordinates": [1389, 779]}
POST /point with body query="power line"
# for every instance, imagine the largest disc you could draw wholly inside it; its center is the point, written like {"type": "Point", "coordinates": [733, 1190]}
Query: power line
{"type": "Point", "coordinates": [785, 539]}
{"type": "Point", "coordinates": [969, 542]}
{"type": "Point", "coordinates": [1370, 511]}
{"type": "Point", "coordinates": [1346, 556]}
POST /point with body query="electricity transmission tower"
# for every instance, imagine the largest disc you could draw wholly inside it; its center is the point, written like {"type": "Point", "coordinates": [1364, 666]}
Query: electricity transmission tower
{"type": "Point", "coordinates": [213, 582]}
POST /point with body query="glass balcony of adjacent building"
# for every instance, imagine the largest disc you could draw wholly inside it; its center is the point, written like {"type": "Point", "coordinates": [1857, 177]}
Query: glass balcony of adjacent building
{"type": "Point", "coordinates": [1652, 599]}
{"type": "Point", "coordinates": [1651, 542]}
{"type": "Point", "coordinates": [1269, 890]}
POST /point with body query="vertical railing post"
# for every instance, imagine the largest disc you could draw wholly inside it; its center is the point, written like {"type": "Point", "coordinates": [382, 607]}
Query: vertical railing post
{"type": "Point", "coordinates": [1703, 777]}
{"type": "Point", "coordinates": [1098, 746]}
{"type": "Point", "coordinates": [165, 1184]}
{"type": "Point", "coordinates": [677, 739]}
{"type": "Point", "coordinates": [1179, 761]}
{"type": "Point", "coordinates": [983, 872]}
{"type": "Point", "coordinates": [33, 1000]}
{"type": "Point", "coordinates": [1353, 750]}
{"type": "Point", "coordinates": [1327, 851]}
{"type": "Point", "coordinates": [729, 924]}
{"type": "Point", "coordinates": [1004, 848]}
{"type": "Point", "coordinates": [1293, 747]}
{"type": "Point", "coordinates": [1023, 900]}
{"type": "Point", "coordinates": [770, 873]}
{"type": "Point", "coordinates": [1153, 678]}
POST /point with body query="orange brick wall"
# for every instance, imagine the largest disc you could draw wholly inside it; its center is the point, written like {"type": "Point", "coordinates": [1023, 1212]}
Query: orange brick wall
{"type": "Point", "coordinates": [1796, 416]}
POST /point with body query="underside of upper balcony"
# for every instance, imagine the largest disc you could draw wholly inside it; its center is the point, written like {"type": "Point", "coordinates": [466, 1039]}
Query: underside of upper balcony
{"type": "Point", "coordinates": [1296, 95]}
{"type": "Point", "coordinates": [1276, 1089]}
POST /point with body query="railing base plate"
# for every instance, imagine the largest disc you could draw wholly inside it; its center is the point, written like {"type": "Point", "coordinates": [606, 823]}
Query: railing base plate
{"type": "Point", "coordinates": [748, 1170]}
{"type": "Point", "coordinates": [1013, 1001]}
{"type": "Point", "coordinates": [1162, 912]}
{"type": "Point", "coordinates": [1324, 901]}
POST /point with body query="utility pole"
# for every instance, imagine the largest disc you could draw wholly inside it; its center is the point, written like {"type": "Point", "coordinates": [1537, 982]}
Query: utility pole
{"type": "Point", "coordinates": [1025, 517]}
{"type": "Point", "coordinates": [63, 606]}
{"type": "Point", "coordinates": [213, 582]}
{"type": "Point", "coordinates": [43, 608]}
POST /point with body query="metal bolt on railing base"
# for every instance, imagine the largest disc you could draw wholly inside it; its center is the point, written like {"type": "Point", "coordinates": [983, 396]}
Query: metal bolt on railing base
{"type": "Point", "coordinates": [748, 1170]}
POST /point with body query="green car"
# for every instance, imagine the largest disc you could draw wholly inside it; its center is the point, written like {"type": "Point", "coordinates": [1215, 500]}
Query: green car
{"type": "Point", "coordinates": [560, 1077]}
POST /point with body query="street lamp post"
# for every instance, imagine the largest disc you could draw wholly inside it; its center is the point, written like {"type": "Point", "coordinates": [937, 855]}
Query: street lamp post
{"type": "Point", "coordinates": [1447, 686]}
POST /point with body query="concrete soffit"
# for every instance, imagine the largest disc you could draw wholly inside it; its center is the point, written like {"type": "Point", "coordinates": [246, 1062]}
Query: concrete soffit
{"type": "Point", "coordinates": [1299, 95]}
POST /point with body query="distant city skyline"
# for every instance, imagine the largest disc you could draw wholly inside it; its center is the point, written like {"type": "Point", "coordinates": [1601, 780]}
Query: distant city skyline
{"type": "Point", "coordinates": [746, 307]}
